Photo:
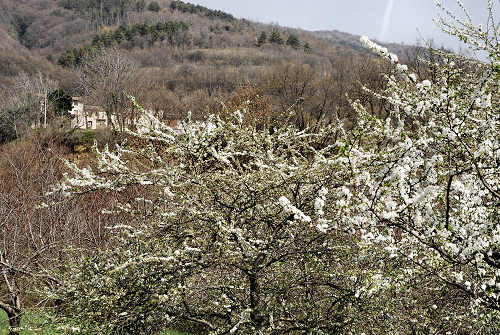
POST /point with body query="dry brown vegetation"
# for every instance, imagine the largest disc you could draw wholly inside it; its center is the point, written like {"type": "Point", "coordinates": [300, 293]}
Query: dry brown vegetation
{"type": "Point", "coordinates": [219, 55]}
{"type": "Point", "coordinates": [36, 240]}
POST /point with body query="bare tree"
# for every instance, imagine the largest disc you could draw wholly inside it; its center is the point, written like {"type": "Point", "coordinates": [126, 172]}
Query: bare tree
{"type": "Point", "coordinates": [105, 79]}
{"type": "Point", "coordinates": [33, 238]}
{"type": "Point", "coordinates": [26, 237]}
{"type": "Point", "coordinates": [33, 89]}
{"type": "Point", "coordinates": [25, 103]}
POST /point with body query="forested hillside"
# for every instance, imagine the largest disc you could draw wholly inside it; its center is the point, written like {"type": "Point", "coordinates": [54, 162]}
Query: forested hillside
{"type": "Point", "coordinates": [186, 57]}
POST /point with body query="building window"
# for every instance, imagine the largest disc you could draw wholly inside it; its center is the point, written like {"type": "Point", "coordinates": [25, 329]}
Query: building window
{"type": "Point", "coordinates": [89, 124]}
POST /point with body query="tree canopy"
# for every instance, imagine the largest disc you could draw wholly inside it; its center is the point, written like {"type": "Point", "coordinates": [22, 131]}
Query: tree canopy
{"type": "Point", "coordinates": [172, 32]}
{"type": "Point", "coordinates": [154, 6]}
{"type": "Point", "coordinates": [187, 7]}
{"type": "Point", "coordinates": [293, 41]}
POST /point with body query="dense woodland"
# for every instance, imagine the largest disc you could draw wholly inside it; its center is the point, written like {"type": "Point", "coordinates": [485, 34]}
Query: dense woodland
{"type": "Point", "coordinates": [279, 214]}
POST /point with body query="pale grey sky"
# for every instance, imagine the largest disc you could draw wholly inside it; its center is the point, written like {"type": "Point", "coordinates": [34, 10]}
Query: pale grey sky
{"type": "Point", "coordinates": [405, 20]}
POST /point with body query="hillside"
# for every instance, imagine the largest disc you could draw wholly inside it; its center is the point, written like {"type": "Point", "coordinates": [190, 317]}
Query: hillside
{"type": "Point", "coordinates": [351, 41]}
{"type": "Point", "coordinates": [186, 57]}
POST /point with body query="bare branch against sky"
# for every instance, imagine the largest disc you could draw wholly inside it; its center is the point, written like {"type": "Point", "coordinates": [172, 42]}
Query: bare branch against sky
{"type": "Point", "coordinates": [389, 20]}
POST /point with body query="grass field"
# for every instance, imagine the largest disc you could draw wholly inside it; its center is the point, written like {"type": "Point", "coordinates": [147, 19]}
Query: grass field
{"type": "Point", "coordinates": [31, 319]}
{"type": "Point", "coordinates": [36, 321]}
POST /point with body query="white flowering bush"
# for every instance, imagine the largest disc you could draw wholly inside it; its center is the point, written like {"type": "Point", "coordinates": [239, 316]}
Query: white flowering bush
{"type": "Point", "coordinates": [427, 178]}
{"type": "Point", "coordinates": [391, 228]}
{"type": "Point", "coordinates": [237, 230]}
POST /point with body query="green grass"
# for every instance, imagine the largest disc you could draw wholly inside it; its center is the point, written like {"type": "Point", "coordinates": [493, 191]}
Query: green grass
{"type": "Point", "coordinates": [37, 322]}
{"type": "Point", "coordinates": [30, 319]}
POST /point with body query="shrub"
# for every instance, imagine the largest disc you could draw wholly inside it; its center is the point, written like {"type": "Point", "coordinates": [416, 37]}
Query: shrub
{"type": "Point", "coordinates": [262, 39]}
{"type": "Point", "coordinates": [392, 227]}
{"type": "Point", "coordinates": [275, 37]}
{"type": "Point", "coordinates": [154, 6]}
{"type": "Point", "coordinates": [293, 41]}
{"type": "Point", "coordinates": [195, 252]}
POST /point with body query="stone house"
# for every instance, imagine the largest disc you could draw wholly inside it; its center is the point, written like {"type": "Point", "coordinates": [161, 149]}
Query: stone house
{"type": "Point", "coordinates": [94, 117]}
{"type": "Point", "coordinates": [88, 117]}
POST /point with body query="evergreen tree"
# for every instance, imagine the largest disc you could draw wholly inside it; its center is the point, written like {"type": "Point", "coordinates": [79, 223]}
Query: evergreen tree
{"type": "Point", "coordinates": [262, 39]}
{"type": "Point", "coordinates": [293, 41]}
{"type": "Point", "coordinates": [119, 36]}
{"type": "Point", "coordinates": [61, 102]}
{"type": "Point", "coordinates": [154, 6]}
{"type": "Point", "coordinates": [142, 28]}
{"type": "Point", "coordinates": [307, 47]}
{"type": "Point", "coordinates": [140, 5]}
{"type": "Point", "coordinates": [67, 59]}
{"type": "Point", "coordinates": [108, 38]}
{"type": "Point", "coordinates": [276, 37]}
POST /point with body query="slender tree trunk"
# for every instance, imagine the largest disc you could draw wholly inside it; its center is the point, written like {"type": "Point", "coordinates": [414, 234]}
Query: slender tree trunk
{"type": "Point", "coordinates": [100, 15]}
{"type": "Point", "coordinates": [254, 299]}
{"type": "Point", "coordinates": [45, 102]}
{"type": "Point", "coordinates": [13, 307]}
{"type": "Point", "coordinates": [14, 315]}
{"type": "Point", "coordinates": [14, 323]}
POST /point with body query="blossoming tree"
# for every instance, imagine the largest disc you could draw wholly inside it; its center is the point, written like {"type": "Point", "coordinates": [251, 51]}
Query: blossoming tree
{"type": "Point", "coordinates": [232, 234]}
{"type": "Point", "coordinates": [393, 227]}
{"type": "Point", "coordinates": [427, 178]}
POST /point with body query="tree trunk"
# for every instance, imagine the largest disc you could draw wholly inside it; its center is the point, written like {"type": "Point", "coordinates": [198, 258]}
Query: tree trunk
{"type": "Point", "coordinates": [255, 299]}
{"type": "Point", "coordinates": [14, 314]}
{"type": "Point", "coordinates": [14, 323]}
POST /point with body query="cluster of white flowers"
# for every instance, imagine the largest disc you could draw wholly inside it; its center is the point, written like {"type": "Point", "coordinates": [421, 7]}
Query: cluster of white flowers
{"type": "Point", "coordinates": [319, 204]}
{"type": "Point", "coordinates": [382, 51]}
{"type": "Point", "coordinates": [438, 188]}
{"type": "Point", "coordinates": [289, 208]}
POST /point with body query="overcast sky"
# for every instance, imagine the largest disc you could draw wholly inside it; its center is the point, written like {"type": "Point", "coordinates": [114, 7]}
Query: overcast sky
{"type": "Point", "coordinates": [386, 20]}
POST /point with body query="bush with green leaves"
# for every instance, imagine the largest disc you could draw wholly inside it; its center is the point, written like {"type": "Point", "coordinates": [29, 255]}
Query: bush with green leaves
{"type": "Point", "coordinates": [262, 39]}
{"type": "Point", "coordinates": [173, 32]}
{"type": "Point", "coordinates": [186, 7]}
{"type": "Point", "coordinates": [293, 41]}
{"type": "Point", "coordinates": [275, 37]}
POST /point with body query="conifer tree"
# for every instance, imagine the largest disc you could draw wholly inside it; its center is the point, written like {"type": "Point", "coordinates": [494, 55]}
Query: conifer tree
{"type": "Point", "coordinates": [276, 37]}
{"type": "Point", "coordinates": [140, 5]}
{"type": "Point", "coordinates": [293, 41]}
{"type": "Point", "coordinates": [154, 6]}
{"type": "Point", "coordinates": [262, 39]}
{"type": "Point", "coordinates": [307, 47]}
